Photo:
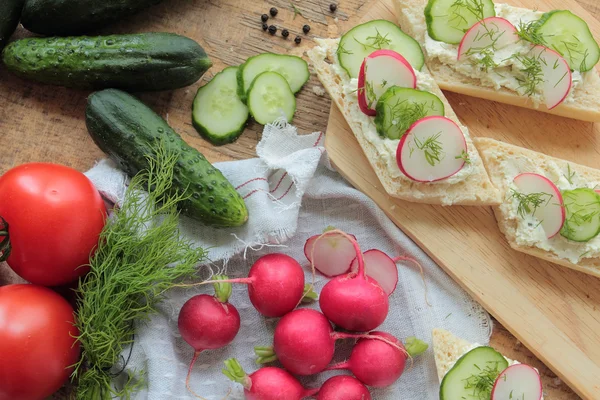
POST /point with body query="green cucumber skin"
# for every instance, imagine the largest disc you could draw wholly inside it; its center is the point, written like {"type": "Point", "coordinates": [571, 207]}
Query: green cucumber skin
{"type": "Point", "coordinates": [77, 17]}
{"type": "Point", "coordinates": [240, 79]}
{"type": "Point", "coordinates": [137, 62]}
{"type": "Point", "coordinates": [10, 12]}
{"type": "Point", "coordinates": [124, 128]}
{"type": "Point", "coordinates": [216, 140]}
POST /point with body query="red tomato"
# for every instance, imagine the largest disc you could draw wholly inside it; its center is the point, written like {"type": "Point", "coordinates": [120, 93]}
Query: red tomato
{"type": "Point", "coordinates": [54, 215]}
{"type": "Point", "coordinates": [36, 342]}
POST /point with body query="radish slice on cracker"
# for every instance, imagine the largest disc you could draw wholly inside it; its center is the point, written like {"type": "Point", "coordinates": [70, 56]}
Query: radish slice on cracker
{"type": "Point", "coordinates": [519, 381]}
{"type": "Point", "coordinates": [540, 197]}
{"type": "Point", "coordinates": [379, 71]}
{"type": "Point", "coordinates": [332, 253]}
{"type": "Point", "coordinates": [380, 267]}
{"type": "Point", "coordinates": [488, 35]}
{"type": "Point", "coordinates": [556, 74]}
{"type": "Point", "coordinates": [433, 148]}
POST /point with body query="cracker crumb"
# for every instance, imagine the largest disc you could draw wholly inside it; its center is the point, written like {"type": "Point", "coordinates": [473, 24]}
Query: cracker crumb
{"type": "Point", "coordinates": [318, 90]}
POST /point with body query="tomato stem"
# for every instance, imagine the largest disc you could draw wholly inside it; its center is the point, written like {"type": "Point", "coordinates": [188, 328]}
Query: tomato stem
{"type": "Point", "coordinates": [5, 246]}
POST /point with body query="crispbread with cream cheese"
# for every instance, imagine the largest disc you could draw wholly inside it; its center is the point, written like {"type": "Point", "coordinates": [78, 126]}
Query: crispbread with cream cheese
{"type": "Point", "coordinates": [475, 189]}
{"type": "Point", "coordinates": [586, 104]}
{"type": "Point", "coordinates": [496, 155]}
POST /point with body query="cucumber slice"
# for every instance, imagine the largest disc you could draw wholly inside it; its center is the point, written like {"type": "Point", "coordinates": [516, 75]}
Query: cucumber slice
{"type": "Point", "coordinates": [218, 114]}
{"type": "Point", "coordinates": [364, 39]}
{"type": "Point", "coordinates": [472, 377]}
{"type": "Point", "coordinates": [449, 20]}
{"type": "Point", "coordinates": [398, 108]}
{"type": "Point", "coordinates": [582, 220]}
{"type": "Point", "coordinates": [568, 34]}
{"type": "Point", "coordinates": [292, 68]}
{"type": "Point", "coordinates": [270, 97]}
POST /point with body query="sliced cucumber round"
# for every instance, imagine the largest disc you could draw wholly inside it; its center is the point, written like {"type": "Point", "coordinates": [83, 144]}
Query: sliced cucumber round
{"type": "Point", "coordinates": [473, 375]}
{"type": "Point", "coordinates": [292, 68]}
{"type": "Point", "coordinates": [449, 20]}
{"type": "Point", "coordinates": [568, 34]}
{"type": "Point", "coordinates": [398, 108]}
{"type": "Point", "coordinates": [218, 114]}
{"type": "Point", "coordinates": [364, 39]}
{"type": "Point", "coordinates": [270, 98]}
{"type": "Point", "coordinates": [582, 219]}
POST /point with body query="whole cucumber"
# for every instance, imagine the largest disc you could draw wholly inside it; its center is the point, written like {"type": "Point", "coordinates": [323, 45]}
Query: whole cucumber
{"type": "Point", "coordinates": [77, 17]}
{"type": "Point", "coordinates": [10, 12]}
{"type": "Point", "coordinates": [144, 61]}
{"type": "Point", "coordinates": [125, 128]}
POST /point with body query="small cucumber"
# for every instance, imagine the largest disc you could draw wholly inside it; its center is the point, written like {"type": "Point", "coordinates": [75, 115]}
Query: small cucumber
{"type": "Point", "coordinates": [218, 114]}
{"type": "Point", "coordinates": [568, 34]}
{"type": "Point", "coordinates": [270, 97]}
{"type": "Point", "coordinates": [448, 20]}
{"type": "Point", "coordinates": [10, 12]}
{"type": "Point", "coordinates": [142, 61]}
{"type": "Point", "coordinates": [364, 39]}
{"type": "Point", "coordinates": [76, 17]}
{"type": "Point", "coordinates": [398, 108]}
{"type": "Point", "coordinates": [126, 129]}
{"type": "Point", "coordinates": [582, 219]}
{"type": "Point", "coordinates": [473, 375]}
{"type": "Point", "coordinates": [292, 68]}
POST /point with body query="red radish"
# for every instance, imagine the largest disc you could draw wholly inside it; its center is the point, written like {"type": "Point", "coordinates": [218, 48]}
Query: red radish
{"type": "Point", "coordinates": [380, 267]}
{"type": "Point", "coordinates": [208, 322]}
{"type": "Point", "coordinates": [557, 75]}
{"type": "Point", "coordinates": [519, 381]}
{"type": "Point", "coordinates": [354, 301]}
{"type": "Point", "coordinates": [275, 284]}
{"type": "Point", "coordinates": [379, 71]}
{"type": "Point", "coordinates": [304, 342]}
{"type": "Point", "coordinates": [333, 254]}
{"type": "Point", "coordinates": [343, 387]}
{"type": "Point", "coordinates": [268, 383]}
{"type": "Point", "coordinates": [377, 363]}
{"type": "Point", "coordinates": [433, 148]}
{"type": "Point", "coordinates": [493, 31]}
{"type": "Point", "coordinates": [551, 211]}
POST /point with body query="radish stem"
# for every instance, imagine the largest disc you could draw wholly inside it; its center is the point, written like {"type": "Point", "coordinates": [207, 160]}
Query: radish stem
{"type": "Point", "coordinates": [309, 294]}
{"type": "Point", "coordinates": [406, 258]}
{"type": "Point", "coordinates": [266, 354]}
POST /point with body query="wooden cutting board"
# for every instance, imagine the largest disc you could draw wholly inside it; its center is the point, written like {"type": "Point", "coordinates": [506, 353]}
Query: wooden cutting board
{"type": "Point", "coordinates": [552, 310]}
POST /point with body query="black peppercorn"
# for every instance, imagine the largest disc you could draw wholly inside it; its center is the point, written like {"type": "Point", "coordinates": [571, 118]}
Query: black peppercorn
{"type": "Point", "coordinates": [306, 28]}
{"type": "Point", "coordinates": [264, 17]}
{"type": "Point", "coordinates": [273, 11]}
{"type": "Point", "coordinates": [272, 29]}
{"type": "Point", "coordinates": [332, 7]}
{"type": "Point", "coordinates": [285, 33]}
{"type": "Point", "coordinates": [265, 26]}
{"type": "Point", "coordinates": [298, 40]}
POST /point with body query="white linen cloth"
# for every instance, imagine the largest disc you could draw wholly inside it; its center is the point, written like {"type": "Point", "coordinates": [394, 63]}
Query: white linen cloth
{"type": "Point", "coordinates": [292, 193]}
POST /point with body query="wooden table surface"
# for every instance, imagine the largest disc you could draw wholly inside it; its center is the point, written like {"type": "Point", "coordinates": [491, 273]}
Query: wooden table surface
{"type": "Point", "coordinates": [43, 123]}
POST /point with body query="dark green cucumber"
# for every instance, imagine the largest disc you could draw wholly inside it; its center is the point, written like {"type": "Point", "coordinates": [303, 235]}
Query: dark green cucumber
{"type": "Point", "coordinates": [125, 129]}
{"type": "Point", "coordinates": [144, 61]}
{"type": "Point", "coordinates": [76, 17]}
{"type": "Point", "coordinates": [10, 12]}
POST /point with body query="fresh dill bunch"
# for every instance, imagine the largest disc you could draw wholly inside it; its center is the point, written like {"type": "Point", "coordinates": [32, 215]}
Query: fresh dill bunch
{"type": "Point", "coordinates": [529, 203]}
{"type": "Point", "coordinates": [432, 149]}
{"type": "Point", "coordinates": [140, 255]}
{"type": "Point", "coordinates": [483, 382]}
{"type": "Point", "coordinates": [532, 71]}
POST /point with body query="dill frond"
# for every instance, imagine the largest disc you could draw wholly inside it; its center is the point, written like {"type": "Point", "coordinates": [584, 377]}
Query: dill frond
{"type": "Point", "coordinates": [140, 255]}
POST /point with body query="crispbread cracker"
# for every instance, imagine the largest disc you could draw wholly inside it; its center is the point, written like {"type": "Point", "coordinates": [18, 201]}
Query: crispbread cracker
{"type": "Point", "coordinates": [494, 153]}
{"type": "Point", "coordinates": [447, 348]}
{"type": "Point", "coordinates": [586, 104]}
{"type": "Point", "coordinates": [475, 189]}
